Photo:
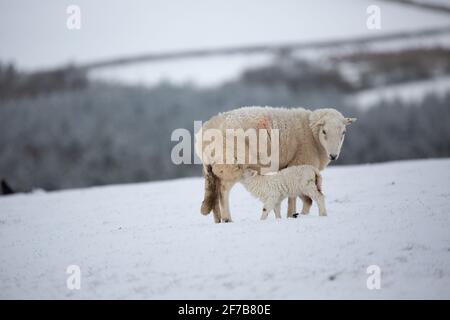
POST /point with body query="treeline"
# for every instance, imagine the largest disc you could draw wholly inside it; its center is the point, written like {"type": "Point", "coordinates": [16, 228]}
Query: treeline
{"type": "Point", "coordinates": [350, 73]}
{"type": "Point", "coordinates": [105, 134]}
{"type": "Point", "coordinates": [334, 73]}
{"type": "Point", "coordinates": [18, 84]}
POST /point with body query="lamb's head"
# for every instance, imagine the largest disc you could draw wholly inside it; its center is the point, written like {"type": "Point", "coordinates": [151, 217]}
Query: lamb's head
{"type": "Point", "coordinates": [329, 126]}
{"type": "Point", "coordinates": [249, 173]}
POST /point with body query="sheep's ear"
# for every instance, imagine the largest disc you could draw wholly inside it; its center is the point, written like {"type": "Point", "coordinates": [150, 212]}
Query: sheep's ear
{"type": "Point", "coordinates": [316, 119]}
{"type": "Point", "coordinates": [347, 121]}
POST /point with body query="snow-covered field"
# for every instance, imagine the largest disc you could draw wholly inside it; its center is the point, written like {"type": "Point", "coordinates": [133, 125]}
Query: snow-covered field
{"type": "Point", "coordinates": [150, 241]}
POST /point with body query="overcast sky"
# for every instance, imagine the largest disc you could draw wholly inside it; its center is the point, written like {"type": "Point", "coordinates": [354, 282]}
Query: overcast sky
{"type": "Point", "coordinates": [33, 33]}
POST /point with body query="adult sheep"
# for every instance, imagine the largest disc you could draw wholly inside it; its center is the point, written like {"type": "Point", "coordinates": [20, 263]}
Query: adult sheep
{"type": "Point", "coordinates": [305, 137]}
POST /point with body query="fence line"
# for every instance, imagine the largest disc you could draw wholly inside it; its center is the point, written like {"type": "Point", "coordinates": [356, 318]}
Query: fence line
{"type": "Point", "coordinates": [256, 49]}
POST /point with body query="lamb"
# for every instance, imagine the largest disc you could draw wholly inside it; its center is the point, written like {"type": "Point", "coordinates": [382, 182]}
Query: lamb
{"type": "Point", "coordinates": [296, 181]}
{"type": "Point", "coordinates": [305, 138]}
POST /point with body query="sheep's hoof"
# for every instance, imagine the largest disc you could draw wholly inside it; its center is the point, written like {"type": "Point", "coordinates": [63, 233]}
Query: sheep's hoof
{"type": "Point", "coordinates": [295, 215]}
{"type": "Point", "coordinates": [226, 220]}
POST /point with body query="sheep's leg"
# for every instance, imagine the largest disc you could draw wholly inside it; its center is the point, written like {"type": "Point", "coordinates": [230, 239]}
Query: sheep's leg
{"type": "Point", "coordinates": [307, 203]}
{"type": "Point", "coordinates": [278, 210]}
{"type": "Point", "coordinates": [225, 188]}
{"type": "Point", "coordinates": [320, 200]}
{"type": "Point", "coordinates": [321, 203]}
{"type": "Point", "coordinates": [291, 207]}
{"type": "Point", "coordinates": [216, 206]}
{"type": "Point", "coordinates": [216, 212]}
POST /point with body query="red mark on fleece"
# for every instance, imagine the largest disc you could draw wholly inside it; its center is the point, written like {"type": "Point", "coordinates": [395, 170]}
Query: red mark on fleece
{"type": "Point", "coordinates": [264, 122]}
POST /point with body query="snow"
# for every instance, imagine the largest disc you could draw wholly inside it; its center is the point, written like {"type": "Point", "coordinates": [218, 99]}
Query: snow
{"type": "Point", "coordinates": [150, 241]}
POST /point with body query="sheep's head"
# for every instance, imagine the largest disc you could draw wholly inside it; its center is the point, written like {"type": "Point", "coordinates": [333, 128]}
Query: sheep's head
{"type": "Point", "coordinates": [329, 127]}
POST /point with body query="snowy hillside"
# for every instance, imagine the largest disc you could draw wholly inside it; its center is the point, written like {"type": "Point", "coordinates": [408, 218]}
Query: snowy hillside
{"type": "Point", "coordinates": [150, 241]}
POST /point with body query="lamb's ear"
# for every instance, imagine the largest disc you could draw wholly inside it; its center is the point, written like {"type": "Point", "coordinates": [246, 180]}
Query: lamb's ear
{"type": "Point", "coordinates": [316, 120]}
{"type": "Point", "coordinates": [347, 121]}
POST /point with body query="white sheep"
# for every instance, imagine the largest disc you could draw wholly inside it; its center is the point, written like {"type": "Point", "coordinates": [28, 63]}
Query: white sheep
{"type": "Point", "coordinates": [305, 138]}
{"type": "Point", "coordinates": [295, 181]}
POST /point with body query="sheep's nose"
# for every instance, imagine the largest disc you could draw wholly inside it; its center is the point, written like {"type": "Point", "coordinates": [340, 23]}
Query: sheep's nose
{"type": "Point", "coordinates": [333, 157]}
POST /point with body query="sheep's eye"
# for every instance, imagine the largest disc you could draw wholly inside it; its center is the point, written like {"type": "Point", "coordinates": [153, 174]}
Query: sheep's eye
{"type": "Point", "coordinates": [324, 132]}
